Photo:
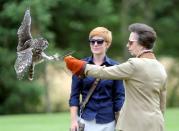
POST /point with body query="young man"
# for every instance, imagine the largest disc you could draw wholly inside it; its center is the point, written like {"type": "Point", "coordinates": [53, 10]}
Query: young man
{"type": "Point", "coordinates": [108, 96]}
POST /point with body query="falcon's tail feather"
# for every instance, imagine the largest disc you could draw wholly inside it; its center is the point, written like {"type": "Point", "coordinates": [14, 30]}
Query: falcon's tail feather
{"type": "Point", "coordinates": [31, 72]}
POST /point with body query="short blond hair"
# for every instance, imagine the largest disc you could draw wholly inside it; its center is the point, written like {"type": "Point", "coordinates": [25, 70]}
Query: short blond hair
{"type": "Point", "coordinates": [102, 32]}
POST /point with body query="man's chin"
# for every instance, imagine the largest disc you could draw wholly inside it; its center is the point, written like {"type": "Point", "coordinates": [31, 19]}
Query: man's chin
{"type": "Point", "coordinates": [97, 52]}
{"type": "Point", "coordinates": [132, 54]}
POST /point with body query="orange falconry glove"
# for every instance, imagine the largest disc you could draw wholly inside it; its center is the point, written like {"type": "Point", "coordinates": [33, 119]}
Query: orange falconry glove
{"type": "Point", "coordinates": [74, 65]}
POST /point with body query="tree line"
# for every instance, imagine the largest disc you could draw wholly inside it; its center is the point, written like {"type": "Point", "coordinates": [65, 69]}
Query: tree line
{"type": "Point", "coordinates": [66, 25]}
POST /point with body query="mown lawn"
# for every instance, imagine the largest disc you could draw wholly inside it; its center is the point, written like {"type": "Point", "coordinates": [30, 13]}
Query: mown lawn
{"type": "Point", "coordinates": [172, 119]}
{"type": "Point", "coordinates": [61, 122]}
{"type": "Point", "coordinates": [35, 122]}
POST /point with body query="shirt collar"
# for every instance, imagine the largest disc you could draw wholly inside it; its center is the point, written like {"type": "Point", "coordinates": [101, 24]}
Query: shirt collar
{"type": "Point", "coordinates": [107, 60]}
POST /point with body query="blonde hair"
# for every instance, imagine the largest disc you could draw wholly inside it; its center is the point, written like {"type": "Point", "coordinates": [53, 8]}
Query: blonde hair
{"type": "Point", "coordinates": [102, 32]}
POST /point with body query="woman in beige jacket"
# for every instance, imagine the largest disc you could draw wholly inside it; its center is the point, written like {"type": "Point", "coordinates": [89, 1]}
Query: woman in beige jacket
{"type": "Point", "coordinates": [144, 78]}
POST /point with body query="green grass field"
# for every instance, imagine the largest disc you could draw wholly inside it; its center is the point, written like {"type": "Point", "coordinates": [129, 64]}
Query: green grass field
{"type": "Point", "coordinates": [172, 119]}
{"type": "Point", "coordinates": [61, 122]}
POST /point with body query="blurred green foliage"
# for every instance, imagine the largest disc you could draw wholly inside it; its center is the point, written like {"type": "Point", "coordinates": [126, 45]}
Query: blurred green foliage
{"type": "Point", "coordinates": [66, 24]}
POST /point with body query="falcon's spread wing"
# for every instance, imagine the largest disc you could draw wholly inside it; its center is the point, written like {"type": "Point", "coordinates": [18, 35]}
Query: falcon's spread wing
{"type": "Point", "coordinates": [24, 30]}
{"type": "Point", "coordinates": [26, 59]}
{"type": "Point", "coordinates": [23, 62]}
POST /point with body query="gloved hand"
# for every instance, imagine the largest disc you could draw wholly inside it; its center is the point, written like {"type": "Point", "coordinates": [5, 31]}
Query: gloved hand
{"type": "Point", "coordinates": [74, 65]}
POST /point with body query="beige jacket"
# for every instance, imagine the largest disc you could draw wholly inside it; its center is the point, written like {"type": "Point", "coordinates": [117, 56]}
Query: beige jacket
{"type": "Point", "coordinates": [145, 81]}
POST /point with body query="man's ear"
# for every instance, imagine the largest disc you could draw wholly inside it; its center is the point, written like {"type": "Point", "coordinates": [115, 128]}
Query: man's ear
{"type": "Point", "coordinates": [107, 45]}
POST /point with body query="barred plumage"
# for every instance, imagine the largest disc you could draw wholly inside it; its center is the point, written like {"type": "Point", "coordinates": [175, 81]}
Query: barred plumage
{"type": "Point", "coordinates": [29, 51]}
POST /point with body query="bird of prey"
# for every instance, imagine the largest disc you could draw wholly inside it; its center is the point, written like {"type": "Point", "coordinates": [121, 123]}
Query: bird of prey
{"type": "Point", "coordinates": [30, 51]}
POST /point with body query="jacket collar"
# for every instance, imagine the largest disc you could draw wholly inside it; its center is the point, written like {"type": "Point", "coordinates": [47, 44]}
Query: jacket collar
{"type": "Point", "coordinates": [147, 54]}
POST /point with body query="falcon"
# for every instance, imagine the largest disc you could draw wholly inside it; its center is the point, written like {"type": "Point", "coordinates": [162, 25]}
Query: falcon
{"type": "Point", "coordinates": [30, 51]}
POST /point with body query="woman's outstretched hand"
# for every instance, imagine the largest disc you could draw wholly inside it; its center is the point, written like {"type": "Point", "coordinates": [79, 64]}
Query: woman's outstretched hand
{"type": "Point", "coordinates": [76, 66]}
